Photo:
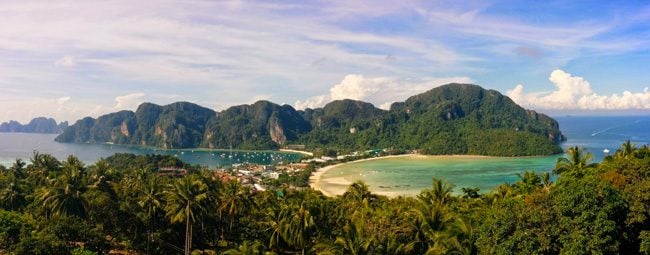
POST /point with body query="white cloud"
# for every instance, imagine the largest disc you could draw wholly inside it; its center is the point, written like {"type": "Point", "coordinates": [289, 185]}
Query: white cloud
{"type": "Point", "coordinates": [66, 61]}
{"type": "Point", "coordinates": [380, 91]}
{"type": "Point", "coordinates": [62, 100]}
{"type": "Point", "coordinates": [575, 93]}
{"type": "Point", "coordinates": [128, 101]}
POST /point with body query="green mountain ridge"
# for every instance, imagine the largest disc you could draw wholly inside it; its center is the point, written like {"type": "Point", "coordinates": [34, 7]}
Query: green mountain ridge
{"type": "Point", "coordinates": [450, 119]}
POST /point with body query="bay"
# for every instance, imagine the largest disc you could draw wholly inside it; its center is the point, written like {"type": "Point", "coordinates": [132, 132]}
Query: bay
{"type": "Point", "coordinates": [409, 175]}
{"type": "Point", "coordinates": [23, 145]}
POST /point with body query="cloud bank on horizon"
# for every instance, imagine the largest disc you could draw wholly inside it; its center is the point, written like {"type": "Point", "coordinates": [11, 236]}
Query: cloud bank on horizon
{"type": "Point", "coordinates": [70, 59]}
{"type": "Point", "coordinates": [575, 93]}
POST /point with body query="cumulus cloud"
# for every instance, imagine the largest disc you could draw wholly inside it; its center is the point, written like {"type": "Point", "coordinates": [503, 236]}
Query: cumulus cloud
{"type": "Point", "coordinates": [380, 91]}
{"type": "Point", "coordinates": [575, 93]}
{"type": "Point", "coordinates": [128, 101]}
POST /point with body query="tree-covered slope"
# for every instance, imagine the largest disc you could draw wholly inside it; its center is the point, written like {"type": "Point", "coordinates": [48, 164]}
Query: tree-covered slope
{"type": "Point", "coordinates": [178, 125]}
{"type": "Point", "coordinates": [451, 119]}
{"type": "Point", "coordinates": [262, 125]}
{"type": "Point", "coordinates": [467, 119]}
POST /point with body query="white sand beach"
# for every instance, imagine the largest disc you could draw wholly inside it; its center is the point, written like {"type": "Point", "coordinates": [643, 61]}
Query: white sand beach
{"type": "Point", "coordinates": [297, 151]}
{"type": "Point", "coordinates": [338, 185]}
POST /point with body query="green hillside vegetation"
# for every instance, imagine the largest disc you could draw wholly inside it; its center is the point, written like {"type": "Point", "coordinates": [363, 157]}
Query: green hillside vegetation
{"type": "Point", "coordinates": [451, 119]}
{"type": "Point", "coordinates": [178, 125]}
{"type": "Point", "coordinates": [119, 204]}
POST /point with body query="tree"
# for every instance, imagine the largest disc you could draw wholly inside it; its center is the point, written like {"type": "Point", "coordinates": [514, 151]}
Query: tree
{"type": "Point", "coordinates": [247, 248]}
{"type": "Point", "coordinates": [299, 227]}
{"type": "Point", "coordinates": [440, 193]}
{"type": "Point", "coordinates": [471, 192]}
{"type": "Point", "coordinates": [359, 194]}
{"type": "Point", "coordinates": [18, 169]}
{"type": "Point", "coordinates": [276, 216]}
{"type": "Point", "coordinates": [546, 181]}
{"type": "Point", "coordinates": [576, 165]}
{"type": "Point", "coordinates": [355, 239]}
{"type": "Point", "coordinates": [626, 150]}
{"type": "Point", "coordinates": [185, 202]}
{"type": "Point", "coordinates": [64, 195]}
{"type": "Point", "coordinates": [102, 175]}
{"type": "Point", "coordinates": [590, 216]}
{"type": "Point", "coordinates": [12, 195]}
{"type": "Point", "coordinates": [528, 182]}
{"type": "Point", "coordinates": [234, 200]}
{"type": "Point", "coordinates": [433, 223]}
{"type": "Point", "coordinates": [151, 200]}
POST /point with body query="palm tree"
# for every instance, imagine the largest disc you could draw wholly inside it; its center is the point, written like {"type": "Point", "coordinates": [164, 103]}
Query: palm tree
{"type": "Point", "coordinates": [546, 181]}
{"type": "Point", "coordinates": [528, 182]}
{"type": "Point", "coordinates": [355, 239]}
{"type": "Point", "coordinates": [41, 167]}
{"type": "Point", "coordinates": [64, 195]}
{"type": "Point", "coordinates": [501, 192]}
{"type": "Point", "coordinates": [462, 238]}
{"type": "Point", "coordinates": [290, 224]}
{"type": "Point", "coordinates": [136, 179]}
{"type": "Point", "coordinates": [275, 221]}
{"type": "Point", "coordinates": [234, 200]}
{"type": "Point", "coordinates": [440, 193]}
{"type": "Point", "coordinates": [359, 194]}
{"type": "Point", "coordinates": [18, 169]}
{"type": "Point", "coordinates": [432, 224]}
{"type": "Point", "coordinates": [577, 163]}
{"type": "Point", "coordinates": [12, 196]}
{"type": "Point", "coordinates": [627, 150]}
{"type": "Point", "coordinates": [151, 200]}
{"type": "Point", "coordinates": [186, 199]}
{"type": "Point", "coordinates": [299, 228]}
{"type": "Point", "coordinates": [391, 245]}
{"type": "Point", "coordinates": [247, 248]}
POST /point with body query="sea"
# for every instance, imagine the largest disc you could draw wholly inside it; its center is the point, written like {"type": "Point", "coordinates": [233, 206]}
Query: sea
{"type": "Point", "coordinates": [601, 135]}
{"type": "Point", "coordinates": [23, 145]}
{"type": "Point", "coordinates": [392, 176]}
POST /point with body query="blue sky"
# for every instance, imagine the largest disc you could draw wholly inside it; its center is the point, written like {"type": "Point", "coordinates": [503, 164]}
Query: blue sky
{"type": "Point", "coordinates": [70, 59]}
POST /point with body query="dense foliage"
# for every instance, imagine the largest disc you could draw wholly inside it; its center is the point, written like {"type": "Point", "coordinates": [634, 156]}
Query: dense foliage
{"type": "Point", "coordinates": [451, 119]}
{"type": "Point", "coordinates": [178, 125]}
{"type": "Point", "coordinates": [119, 204]}
{"type": "Point", "coordinates": [37, 125]}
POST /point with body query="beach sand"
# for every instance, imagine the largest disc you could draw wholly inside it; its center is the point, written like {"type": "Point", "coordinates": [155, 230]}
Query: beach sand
{"type": "Point", "coordinates": [297, 151]}
{"type": "Point", "coordinates": [338, 185]}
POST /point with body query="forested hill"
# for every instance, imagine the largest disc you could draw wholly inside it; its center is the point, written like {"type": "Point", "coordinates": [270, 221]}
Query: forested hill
{"type": "Point", "coordinates": [451, 119]}
{"type": "Point", "coordinates": [37, 125]}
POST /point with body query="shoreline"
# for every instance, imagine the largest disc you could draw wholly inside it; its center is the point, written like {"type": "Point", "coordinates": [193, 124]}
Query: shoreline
{"type": "Point", "coordinates": [297, 151]}
{"type": "Point", "coordinates": [199, 149]}
{"type": "Point", "coordinates": [315, 178]}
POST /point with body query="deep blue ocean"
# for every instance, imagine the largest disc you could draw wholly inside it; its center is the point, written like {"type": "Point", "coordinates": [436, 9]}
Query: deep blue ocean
{"type": "Point", "coordinates": [599, 133]}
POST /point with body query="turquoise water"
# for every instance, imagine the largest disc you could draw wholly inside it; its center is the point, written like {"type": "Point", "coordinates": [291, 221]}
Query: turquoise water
{"type": "Point", "coordinates": [22, 145]}
{"type": "Point", "coordinates": [409, 175]}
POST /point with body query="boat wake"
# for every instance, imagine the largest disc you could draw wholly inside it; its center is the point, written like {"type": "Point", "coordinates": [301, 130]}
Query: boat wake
{"type": "Point", "coordinates": [595, 133]}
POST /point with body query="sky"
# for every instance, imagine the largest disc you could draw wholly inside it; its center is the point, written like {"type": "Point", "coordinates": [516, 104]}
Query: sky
{"type": "Point", "coordinates": [71, 59]}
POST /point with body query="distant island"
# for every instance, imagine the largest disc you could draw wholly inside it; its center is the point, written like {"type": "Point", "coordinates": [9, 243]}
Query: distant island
{"type": "Point", "coordinates": [41, 125]}
{"type": "Point", "coordinates": [450, 119]}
